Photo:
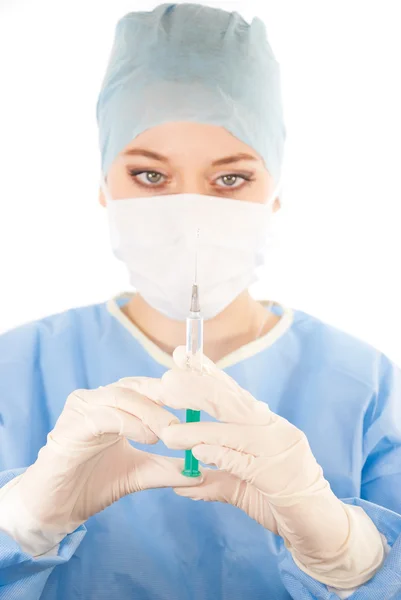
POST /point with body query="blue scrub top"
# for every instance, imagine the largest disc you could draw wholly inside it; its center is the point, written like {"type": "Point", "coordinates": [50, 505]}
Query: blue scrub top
{"type": "Point", "coordinates": [155, 545]}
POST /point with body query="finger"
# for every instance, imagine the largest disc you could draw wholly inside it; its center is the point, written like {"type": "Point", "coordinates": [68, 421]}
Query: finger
{"type": "Point", "coordinates": [154, 471]}
{"type": "Point", "coordinates": [223, 400]}
{"type": "Point", "coordinates": [219, 486]}
{"type": "Point", "coordinates": [146, 386]}
{"type": "Point", "coordinates": [123, 405]}
{"type": "Point", "coordinates": [279, 482]}
{"type": "Point", "coordinates": [155, 417]}
{"type": "Point", "coordinates": [266, 441]}
{"type": "Point", "coordinates": [105, 420]}
{"type": "Point", "coordinates": [243, 466]}
{"type": "Point", "coordinates": [84, 406]}
{"type": "Point", "coordinates": [227, 401]}
{"type": "Point", "coordinates": [211, 390]}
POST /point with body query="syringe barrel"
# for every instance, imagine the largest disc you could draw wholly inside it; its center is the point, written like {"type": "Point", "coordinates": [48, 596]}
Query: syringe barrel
{"type": "Point", "coordinates": [194, 342]}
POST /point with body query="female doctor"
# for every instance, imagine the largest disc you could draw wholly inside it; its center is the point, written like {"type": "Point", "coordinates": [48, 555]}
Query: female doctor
{"type": "Point", "coordinates": [301, 422]}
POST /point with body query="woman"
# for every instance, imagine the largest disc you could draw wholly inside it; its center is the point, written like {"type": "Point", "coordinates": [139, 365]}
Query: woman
{"type": "Point", "coordinates": [302, 426]}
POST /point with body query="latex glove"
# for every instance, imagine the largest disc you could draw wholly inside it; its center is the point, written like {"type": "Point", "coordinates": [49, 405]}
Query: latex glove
{"type": "Point", "coordinates": [267, 469]}
{"type": "Point", "coordinates": [87, 464]}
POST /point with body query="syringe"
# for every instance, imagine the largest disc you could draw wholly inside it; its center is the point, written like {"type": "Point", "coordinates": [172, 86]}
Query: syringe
{"type": "Point", "coordinates": [194, 346]}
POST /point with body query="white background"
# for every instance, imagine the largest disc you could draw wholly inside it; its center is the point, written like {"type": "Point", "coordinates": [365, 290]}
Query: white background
{"type": "Point", "coordinates": [340, 251]}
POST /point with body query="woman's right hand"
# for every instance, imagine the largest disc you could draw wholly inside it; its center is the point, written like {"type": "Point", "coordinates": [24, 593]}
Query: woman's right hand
{"type": "Point", "coordinates": [88, 463]}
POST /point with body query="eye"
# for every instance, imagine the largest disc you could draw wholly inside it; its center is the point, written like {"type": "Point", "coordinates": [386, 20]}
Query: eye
{"type": "Point", "coordinates": [148, 178]}
{"type": "Point", "coordinates": [231, 180]}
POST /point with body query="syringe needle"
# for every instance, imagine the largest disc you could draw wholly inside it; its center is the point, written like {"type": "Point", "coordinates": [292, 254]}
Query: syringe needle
{"type": "Point", "coordinates": [196, 257]}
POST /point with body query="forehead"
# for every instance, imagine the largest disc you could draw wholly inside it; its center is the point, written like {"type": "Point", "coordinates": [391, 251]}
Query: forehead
{"type": "Point", "coordinates": [196, 139]}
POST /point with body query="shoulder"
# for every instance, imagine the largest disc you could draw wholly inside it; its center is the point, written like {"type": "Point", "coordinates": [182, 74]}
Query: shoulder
{"type": "Point", "coordinates": [347, 371]}
{"type": "Point", "coordinates": [26, 343]}
{"type": "Point", "coordinates": [327, 347]}
{"type": "Point", "coordinates": [38, 369]}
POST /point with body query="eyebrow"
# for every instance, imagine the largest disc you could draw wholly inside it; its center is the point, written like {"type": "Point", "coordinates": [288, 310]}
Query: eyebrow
{"type": "Point", "coordinates": [161, 158]}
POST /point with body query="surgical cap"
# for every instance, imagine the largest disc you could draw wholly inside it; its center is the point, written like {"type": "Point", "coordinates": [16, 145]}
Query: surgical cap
{"type": "Point", "coordinates": [189, 62]}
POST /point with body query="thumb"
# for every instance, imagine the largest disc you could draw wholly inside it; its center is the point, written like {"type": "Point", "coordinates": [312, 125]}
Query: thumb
{"type": "Point", "coordinates": [216, 485]}
{"type": "Point", "coordinates": [199, 363]}
{"type": "Point", "coordinates": [221, 486]}
{"type": "Point", "coordinates": [154, 471]}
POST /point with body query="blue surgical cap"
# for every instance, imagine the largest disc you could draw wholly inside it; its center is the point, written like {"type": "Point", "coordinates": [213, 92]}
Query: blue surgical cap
{"type": "Point", "coordinates": [188, 62]}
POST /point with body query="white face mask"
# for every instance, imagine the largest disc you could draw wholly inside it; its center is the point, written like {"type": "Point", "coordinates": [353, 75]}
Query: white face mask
{"type": "Point", "coordinates": [156, 237]}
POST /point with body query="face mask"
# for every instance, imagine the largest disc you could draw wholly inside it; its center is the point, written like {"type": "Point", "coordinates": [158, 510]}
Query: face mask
{"type": "Point", "coordinates": [161, 238]}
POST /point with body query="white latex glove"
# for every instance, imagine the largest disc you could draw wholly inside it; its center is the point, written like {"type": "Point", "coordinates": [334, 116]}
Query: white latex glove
{"type": "Point", "coordinates": [267, 469]}
{"type": "Point", "coordinates": [87, 464]}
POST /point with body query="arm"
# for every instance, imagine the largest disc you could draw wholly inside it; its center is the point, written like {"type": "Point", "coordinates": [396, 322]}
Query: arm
{"type": "Point", "coordinates": [266, 468]}
{"type": "Point", "coordinates": [380, 496]}
{"type": "Point", "coordinates": [22, 393]}
{"type": "Point", "coordinates": [21, 574]}
{"type": "Point", "coordinates": [85, 466]}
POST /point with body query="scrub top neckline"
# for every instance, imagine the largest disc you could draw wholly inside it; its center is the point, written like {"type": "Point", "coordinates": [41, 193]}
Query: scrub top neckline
{"type": "Point", "coordinates": [242, 353]}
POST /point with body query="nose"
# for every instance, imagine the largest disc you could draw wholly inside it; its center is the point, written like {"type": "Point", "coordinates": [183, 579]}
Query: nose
{"type": "Point", "coordinates": [192, 183]}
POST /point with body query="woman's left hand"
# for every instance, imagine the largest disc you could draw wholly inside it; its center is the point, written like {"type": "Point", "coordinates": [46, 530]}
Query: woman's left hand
{"type": "Point", "coordinates": [265, 464]}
